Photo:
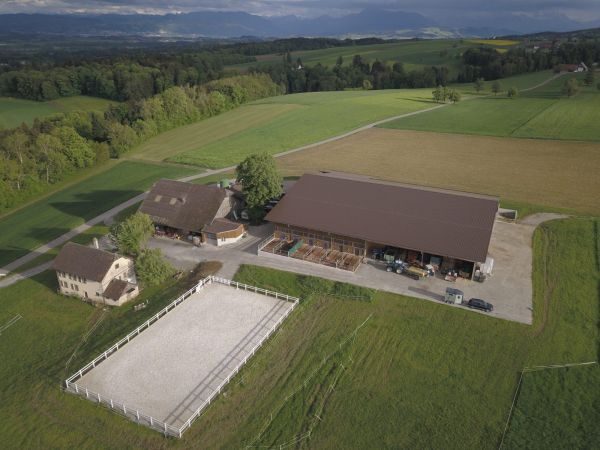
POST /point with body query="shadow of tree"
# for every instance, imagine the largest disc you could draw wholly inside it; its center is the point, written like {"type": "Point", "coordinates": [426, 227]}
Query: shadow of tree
{"type": "Point", "coordinates": [88, 205]}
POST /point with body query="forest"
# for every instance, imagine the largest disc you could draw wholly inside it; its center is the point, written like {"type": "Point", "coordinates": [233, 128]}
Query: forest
{"type": "Point", "coordinates": [32, 158]}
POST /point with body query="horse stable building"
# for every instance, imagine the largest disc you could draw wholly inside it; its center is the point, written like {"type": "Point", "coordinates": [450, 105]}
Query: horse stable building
{"type": "Point", "coordinates": [339, 219]}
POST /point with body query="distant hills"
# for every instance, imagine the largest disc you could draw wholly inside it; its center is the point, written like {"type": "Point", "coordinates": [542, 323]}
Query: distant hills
{"type": "Point", "coordinates": [369, 22]}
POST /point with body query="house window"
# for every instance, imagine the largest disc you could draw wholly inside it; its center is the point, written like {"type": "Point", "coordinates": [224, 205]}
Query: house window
{"type": "Point", "coordinates": [77, 288]}
{"type": "Point", "coordinates": [117, 266]}
{"type": "Point", "coordinates": [72, 287]}
{"type": "Point", "coordinates": [97, 294]}
{"type": "Point", "coordinates": [223, 239]}
{"type": "Point", "coordinates": [86, 294]}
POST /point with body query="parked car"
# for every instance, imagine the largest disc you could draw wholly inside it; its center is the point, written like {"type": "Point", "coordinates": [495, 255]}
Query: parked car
{"type": "Point", "coordinates": [482, 305]}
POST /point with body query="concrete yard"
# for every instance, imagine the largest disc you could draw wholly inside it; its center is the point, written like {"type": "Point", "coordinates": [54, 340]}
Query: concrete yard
{"type": "Point", "coordinates": [509, 289]}
{"type": "Point", "coordinates": [172, 367]}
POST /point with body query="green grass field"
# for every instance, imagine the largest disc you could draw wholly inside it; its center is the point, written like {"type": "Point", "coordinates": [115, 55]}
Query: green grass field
{"type": "Point", "coordinates": [557, 408]}
{"type": "Point", "coordinates": [413, 54]}
{"type": "Point", "coordinates": [302, 119]}
{"type": "Point", "coordinates": [418, 374]}
{"type": "Point", "coordinates": [42, 221]}
{"type": "Point", "coordinates": [543, 113]}
{"type": "Point", "coordinates": [14, 111]}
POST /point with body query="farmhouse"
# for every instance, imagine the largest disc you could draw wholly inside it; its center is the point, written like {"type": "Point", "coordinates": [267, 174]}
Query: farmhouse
{"type": "Point", "coordinates": [339, 219]}
{"type": "Point", "coordinates": [95, 275]}
{"type": "Point", "coordinates": [184, 209]}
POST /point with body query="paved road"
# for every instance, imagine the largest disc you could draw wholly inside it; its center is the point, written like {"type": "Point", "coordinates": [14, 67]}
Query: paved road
{"type": "Point", "coordinates": [114, 211]}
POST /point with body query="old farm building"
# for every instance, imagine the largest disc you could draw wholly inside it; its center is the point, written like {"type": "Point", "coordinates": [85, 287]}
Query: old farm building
{"type": "Point", "coordinates": [95, 275]}
{"type": "Point", "coordinates": [186, 209]}
{"type": "Point", "coordinates": [339, 219]}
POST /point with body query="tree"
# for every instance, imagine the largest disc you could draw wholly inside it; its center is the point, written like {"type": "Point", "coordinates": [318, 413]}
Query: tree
{"type": "Point", "coordinates": [367, 85]}
{"type": "Point", "coordinates": [437, 94]}
{"type": "Point", "coordinates": [454, 96]}
{"type": "Point", "coordinates": [53, 162]}
{"type": "Point", "coordinates": [260, 181]}
{"type": "Point", "coordinates": [512, 92]}
{"type": "Point", "coordinates": [151, 267]}
{"type": "Point", "coordinates": [570, 87]}
{"type": "Point", "coordinates": [340, 61]}
{"type": "Point", "coordinates": [598, 86]}
{"type": "Point", "coordinates": [589, 77]}
{"type": "Point", "coordinates": [131, 235]}
{"type": "Point", "coordinates": [478, 85]}
{"type": "Point", "coordinates": [496, 87]}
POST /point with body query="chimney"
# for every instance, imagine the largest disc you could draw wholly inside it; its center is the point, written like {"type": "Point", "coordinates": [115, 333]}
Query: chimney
{"type": "Point", "coordinates": [95, 243]}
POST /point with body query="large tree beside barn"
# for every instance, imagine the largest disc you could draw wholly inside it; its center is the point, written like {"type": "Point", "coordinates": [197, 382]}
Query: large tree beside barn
{"type": "Point", "coordinates": [260, 180]}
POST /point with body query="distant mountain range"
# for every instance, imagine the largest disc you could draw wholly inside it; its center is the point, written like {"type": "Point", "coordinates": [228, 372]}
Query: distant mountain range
{"type": "Point", "coordinates": [369, 22]}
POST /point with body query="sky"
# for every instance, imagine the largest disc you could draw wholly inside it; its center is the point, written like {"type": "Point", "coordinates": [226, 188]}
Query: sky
{"type": "Point", "coordinates": [579, 10]}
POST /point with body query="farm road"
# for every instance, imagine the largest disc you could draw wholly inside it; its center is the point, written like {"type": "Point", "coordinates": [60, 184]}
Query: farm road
{"type": "Point", "coordinates": [106, 216]}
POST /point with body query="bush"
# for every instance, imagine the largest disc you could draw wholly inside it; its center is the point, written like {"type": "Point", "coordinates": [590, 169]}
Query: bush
{"type": "Point", "coordinates": [151, 268]}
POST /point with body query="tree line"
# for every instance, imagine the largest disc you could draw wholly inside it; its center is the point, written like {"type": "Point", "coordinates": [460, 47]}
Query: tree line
{"type": "Point", "coordinates": [475, 63]}
{"type": "Point", "coordinates": [33, 157]}
{"type": "Point", "coordinates": [488, 63]}
{"type": "Point", "coordinates": [294, 77]}
{"type": "Point", "coordinates": [132, 78]}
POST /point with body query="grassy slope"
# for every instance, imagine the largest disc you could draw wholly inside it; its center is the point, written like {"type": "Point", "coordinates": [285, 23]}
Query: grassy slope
{"type": "Point", "coordinates": [557, 408]}
{"type": "Point", "coordinates": [418, 375]}
{"type": "Point", "coordinates": [191, 137]}
{"type": "Point", "coordinates": [316, 116]}
{"type": "Point", "coordinates": [541, 113]}
{"type": "Point", "coordinates": [53, 216]}
{"type": "Point", "coordinates": [15, 111]}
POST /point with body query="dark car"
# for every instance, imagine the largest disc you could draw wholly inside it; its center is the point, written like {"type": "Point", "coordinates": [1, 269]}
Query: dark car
{"type": "Point", "coordinates": [477, 303]}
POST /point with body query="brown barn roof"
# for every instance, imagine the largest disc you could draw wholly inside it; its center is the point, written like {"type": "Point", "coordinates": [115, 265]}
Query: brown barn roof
{"type": "Point", "coordinates": [435, 221]}
{"type": "Point", "coordinates": [86, 262]}
{"type": "Point", "coordinates": [222, 226]}
{"type": "Point", "coordinates": [184, 206]}
{"type": "Point", "coordinates": [116, 288]}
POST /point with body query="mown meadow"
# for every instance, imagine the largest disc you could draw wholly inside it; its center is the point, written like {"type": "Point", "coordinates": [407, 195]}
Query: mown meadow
{"type": "Point", "coordinates": [543, 113]}
{"type": "Point", "coordinates": [417, 374]}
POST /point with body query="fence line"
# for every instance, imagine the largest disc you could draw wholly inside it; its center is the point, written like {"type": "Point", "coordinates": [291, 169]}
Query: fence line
{"type": "Point", "coordinates": [535, 369]}
{"type": "Point", "coordinates": [145, 419]}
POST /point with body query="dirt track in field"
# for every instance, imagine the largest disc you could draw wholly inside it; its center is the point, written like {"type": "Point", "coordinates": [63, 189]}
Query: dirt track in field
{"type": "Point", "coordinates": [543, 172]}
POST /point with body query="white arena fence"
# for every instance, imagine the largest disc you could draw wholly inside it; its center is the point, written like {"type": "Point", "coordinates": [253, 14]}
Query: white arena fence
{"type": "Point", "coordinates": [145, 419]}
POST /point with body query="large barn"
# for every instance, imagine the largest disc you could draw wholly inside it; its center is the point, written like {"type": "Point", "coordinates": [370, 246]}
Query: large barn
{"type": "Point", "coordinates": [338, 219]}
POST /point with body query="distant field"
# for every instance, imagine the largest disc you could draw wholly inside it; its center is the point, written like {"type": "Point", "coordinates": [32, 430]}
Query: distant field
{"type": "Point", "coordinates": [418, 374]}
{"type": "Point", "coordinates": [296, 120]}
{"type": "Point", "coordinates": [524, 170]}
{"type": "Point", "coordinates": [14, 111]}
{"type": "Point", "coordinates": [557, 408]}
{"type": "Point", "coordinates": [413, 54]}
{"type": "Point", "coordinates": [53, 216]}
{"type": "Point", "coordinates": [542, 113]}
{"type": "Point", "coordinates": [494, 42]}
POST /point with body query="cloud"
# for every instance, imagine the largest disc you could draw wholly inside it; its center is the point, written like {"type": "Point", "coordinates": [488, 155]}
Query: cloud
{"type": "Point", "coordinates": [437, 9]}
